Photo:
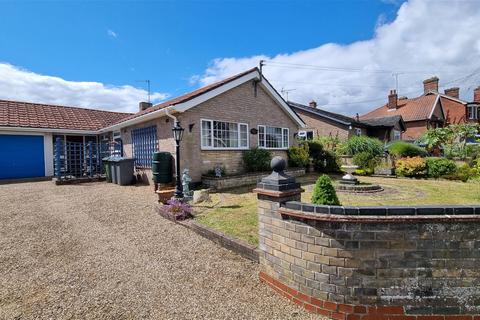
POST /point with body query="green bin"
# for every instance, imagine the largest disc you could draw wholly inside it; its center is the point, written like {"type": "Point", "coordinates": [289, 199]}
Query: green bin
{"type": "Point", "coordinates": [106, 167]}
{"type": "Point", "coordinates": [162, 167]}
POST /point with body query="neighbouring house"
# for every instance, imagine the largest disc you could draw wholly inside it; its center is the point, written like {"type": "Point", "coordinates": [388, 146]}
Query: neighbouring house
{"type": "Point", "coordinates": [430, 110]}
{"type": "Point", "coordinates": [319, 122]}
{"type": "Point", "coordinates": [473, 108]}
{"type": "Point", "coordinates": [221, 121]}
{"type": "Point", "coordinates": [28, 132]}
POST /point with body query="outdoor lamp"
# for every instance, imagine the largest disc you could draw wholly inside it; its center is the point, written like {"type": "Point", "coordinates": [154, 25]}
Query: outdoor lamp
{"type": "Point", "coordinates": [178, 135]}
{"type": "Point", "coordinates": [177, 132]}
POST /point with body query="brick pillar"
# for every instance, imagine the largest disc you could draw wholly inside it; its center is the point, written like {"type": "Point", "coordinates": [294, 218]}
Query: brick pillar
{"type": "Point", "coordinates": [272, 192]}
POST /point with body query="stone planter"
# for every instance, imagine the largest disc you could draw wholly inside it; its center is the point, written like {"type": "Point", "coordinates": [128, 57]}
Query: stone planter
{"type": "Point", "coordinates": [346, 160]}
{"type": "Point", "coordinates": [229, 182]}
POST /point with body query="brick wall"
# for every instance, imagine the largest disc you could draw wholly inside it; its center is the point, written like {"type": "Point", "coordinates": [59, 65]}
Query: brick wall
{"type": "Point", "coordinates": [323, 127]}
{"type": "Point", "coordinates": [371, 262]}
{"type": "Point", "coordinates": [236, 105]}
{"type": "Point", "coordinates": [414, 130]}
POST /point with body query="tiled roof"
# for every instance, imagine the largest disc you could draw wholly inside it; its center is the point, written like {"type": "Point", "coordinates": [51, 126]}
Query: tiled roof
{"type": "Point", "coordinates": [340, 118]}
{"type": "Point", "coordinates": [37, 115]}
{"type": "Point", "coordinates": [187, 96]}
{"type": "Point", "coordinates": [410, 109]}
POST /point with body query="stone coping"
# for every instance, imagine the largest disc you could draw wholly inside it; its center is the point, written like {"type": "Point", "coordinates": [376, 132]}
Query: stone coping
{"type": "Point", "coordinates": [367, 214]}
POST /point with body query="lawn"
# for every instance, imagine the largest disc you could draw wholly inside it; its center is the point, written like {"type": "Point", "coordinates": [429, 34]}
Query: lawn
{"type": "Point", "coordinates": [234, 212]}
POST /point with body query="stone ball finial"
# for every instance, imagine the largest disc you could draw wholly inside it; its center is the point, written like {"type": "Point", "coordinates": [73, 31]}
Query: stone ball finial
{"type": "Point", "coordinates": [278, 164]}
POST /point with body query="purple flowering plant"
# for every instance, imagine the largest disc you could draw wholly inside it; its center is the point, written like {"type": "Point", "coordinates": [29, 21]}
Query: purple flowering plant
{"type": "Point", "coordinates": [178, 209]}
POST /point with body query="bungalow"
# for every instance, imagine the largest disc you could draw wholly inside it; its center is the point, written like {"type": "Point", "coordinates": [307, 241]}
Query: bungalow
{"type": "Point", "coordinates": [320, 123]}
{"type": "Point", "coordinates": [28, 131]}
{"type": "Point", "coordinates": [430, 110]}
{"type": "Point", "coordinates": [221, 121]}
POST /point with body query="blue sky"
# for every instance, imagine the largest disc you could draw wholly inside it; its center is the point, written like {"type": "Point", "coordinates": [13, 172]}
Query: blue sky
{"type": "Point", "coordinates": [118, 43]}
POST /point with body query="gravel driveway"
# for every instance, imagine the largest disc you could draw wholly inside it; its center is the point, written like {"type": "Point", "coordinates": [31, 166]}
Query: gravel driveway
{"type": "Point", "coordinates": [99, 251]}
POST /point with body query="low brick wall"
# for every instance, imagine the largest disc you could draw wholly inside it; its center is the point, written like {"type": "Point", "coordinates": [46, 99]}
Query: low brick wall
{"type": "Point", "coordinates": [246, 179]}
{"type": "Point", "coordinates": [371, 262]}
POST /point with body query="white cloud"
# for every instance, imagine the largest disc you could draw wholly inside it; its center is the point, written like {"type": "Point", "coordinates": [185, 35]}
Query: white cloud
{"type": "Point", "coordinates": [426, 38]}
{"type": "Point", "coordinates": [112, 33]}
{"type": "Point", "coordinates": [23, 85]}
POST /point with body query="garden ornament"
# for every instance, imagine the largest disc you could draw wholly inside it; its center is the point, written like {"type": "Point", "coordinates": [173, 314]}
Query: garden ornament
{"type": "Point", "coordinates": [186, 179]}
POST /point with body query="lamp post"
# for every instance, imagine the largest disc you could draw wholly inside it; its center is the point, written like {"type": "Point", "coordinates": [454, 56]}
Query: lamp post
{"type": "Point", "coordinates": [178, 135]}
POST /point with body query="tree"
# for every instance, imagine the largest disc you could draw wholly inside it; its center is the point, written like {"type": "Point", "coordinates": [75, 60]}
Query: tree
{"type": "Point", "coordinates": [324, 192]}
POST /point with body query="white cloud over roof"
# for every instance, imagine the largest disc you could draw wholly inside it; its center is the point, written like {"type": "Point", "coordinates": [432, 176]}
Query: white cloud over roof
{"type": "Point", "coordinates": [426, 38]}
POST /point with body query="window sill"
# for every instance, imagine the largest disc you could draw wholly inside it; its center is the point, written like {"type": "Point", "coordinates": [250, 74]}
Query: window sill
{"type": "Point", "coordinates": [224, 149]}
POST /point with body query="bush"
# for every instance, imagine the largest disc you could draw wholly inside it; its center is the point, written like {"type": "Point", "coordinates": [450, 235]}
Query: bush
{"type": "Point", "coordinates": [324, 192]}
{"type": "Point", "coordinates": [298, 156]}
{"type": "Point", "coordinates": [257, 159]}
{"type": "Point", "coordinates": [365, 160]}
{"type": "Point", "coordinates": [323, 160]}
{"type": "Point", "coordinates": [359, 144]}
{"type": "Point", "coordinates": [462, 173]}
{"type": "Point", "coordinates": [438, 167]}
{"type": "Point", "coordinates": [400, 149]}
{"type": "Point", "coordinates": [411, 167]}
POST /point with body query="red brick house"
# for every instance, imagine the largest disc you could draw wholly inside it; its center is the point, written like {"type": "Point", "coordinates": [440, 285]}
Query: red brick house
{"type": "Point", "coordinates": [430, 110]}
{"type": "Point", "coordinates": [473, 108]}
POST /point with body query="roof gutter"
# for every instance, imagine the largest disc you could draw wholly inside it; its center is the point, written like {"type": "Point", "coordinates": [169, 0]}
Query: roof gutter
{"type": "Point", "coordinates": [142, 118]}
{"type": "Point", "coordinates": [48, 130]}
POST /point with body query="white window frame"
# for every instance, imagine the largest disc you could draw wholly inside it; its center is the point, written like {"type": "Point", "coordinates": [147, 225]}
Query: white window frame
{"type": "Point", "coordinates": [212, 147]}
{"type": "Point", "coordinates": [473, 112]}
{"type": "Point", "coordinates": [395, 132]}
{"type": "Point", "coordinates": [265, 142]}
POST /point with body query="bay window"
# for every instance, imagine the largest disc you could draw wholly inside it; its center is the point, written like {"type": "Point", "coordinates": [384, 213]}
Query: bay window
{"type": "Point", "coordinates": [223, 135]}
{"type": "Point", "coordinates": [273, 137]}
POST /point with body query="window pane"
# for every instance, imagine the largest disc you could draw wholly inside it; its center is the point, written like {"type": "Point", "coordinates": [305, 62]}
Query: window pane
{"type": "Point", "coordinates": [285, 138]}
{"type": "Point", "coordinates": [206, 133]}
{"type": "Point", "coordinates": [225, 134]}
{"type": "Point", "coordinates": [261, 136]}
{"type": "Point", "coordinates": [243, 136]}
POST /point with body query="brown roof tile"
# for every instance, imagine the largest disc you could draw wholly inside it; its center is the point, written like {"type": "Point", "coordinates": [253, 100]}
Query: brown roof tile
{"type": "Point", "coordinates": [414, 109]}
{"type": "Point", "coordinates": [37, 115]}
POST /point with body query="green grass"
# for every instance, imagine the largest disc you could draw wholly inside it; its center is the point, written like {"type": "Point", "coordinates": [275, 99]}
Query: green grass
{"type": "Point", "coordinates": [235, 212]}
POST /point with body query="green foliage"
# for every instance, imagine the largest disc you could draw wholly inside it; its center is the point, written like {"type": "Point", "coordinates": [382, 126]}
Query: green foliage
{"type": "Point", "coordinates": [400, 149]}
{"type": "Point", "coordinates": [365, 160]}
{"type": "Point", "coordinates": [324, 192]}
{"type": "Point", "coordinates": [359, 144]}
{"type": "Point", "coordinates": [462, 173]}
{"type": "Point", "coordinates": [257, 159]}
{"type": "Point", "coordinates": [334, 144]}
{"type": "Point", "coordinates": [411, 167]}
{"type": "Point", "coordinates": [323, 160]}
{"type": "Point", "coordinates": [298, 156]}
{"type": "Point", "coordinates": [438, 167]}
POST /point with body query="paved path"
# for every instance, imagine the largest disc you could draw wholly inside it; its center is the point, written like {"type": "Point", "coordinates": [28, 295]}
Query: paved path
{"type": "Point", "coordinates": [98, 251]}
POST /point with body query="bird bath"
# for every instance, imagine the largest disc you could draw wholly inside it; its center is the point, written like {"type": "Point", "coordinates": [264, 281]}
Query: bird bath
{"type": "Point", "coordinates": [349, 183]}
{"type": "Point", "coordinates": [349, 178]}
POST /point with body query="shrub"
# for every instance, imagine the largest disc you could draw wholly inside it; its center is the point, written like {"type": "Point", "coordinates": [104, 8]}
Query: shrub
{"type": "Point", "coordinates": [400, 149]}
{"type": "Point", "coordinates": [257, 159]}
{"type": "Point", "coordinates": [323, 160]}
{"type": "Point", "coordinates": [438, 167]}
{"type": "Point", "coordinates": [298, 156]}
{"type": "Point", "coordinates": [365, 160]}
{"type": "Point", "coordinates": [178, 209]}
{"type": "Point", "coordinates": [359, 144]}
{"type": "Point", "coordinates": [462, 173]}
{"type": "Point", "coordinates": [324, 192]}
{"type": "Point", "coordinates": [410, 167]}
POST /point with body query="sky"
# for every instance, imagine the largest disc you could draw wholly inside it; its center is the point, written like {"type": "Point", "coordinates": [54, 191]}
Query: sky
{"type": "Point", "coordinates": [343, 54]}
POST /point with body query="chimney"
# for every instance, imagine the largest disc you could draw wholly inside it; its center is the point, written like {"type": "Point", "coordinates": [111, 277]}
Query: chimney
{"type": "Point", "coordinates": [144, 105]}
{"type": "Point", "coordinates": [476, 94]}
{"type": "Point", "coordinates": [392, 100]}
{"type": "Point", "coordinates": [453, 92]}
{"type": "Point", "coordinates": [430, 84]}
{"type": "Point", "coordinates": [313, 104]}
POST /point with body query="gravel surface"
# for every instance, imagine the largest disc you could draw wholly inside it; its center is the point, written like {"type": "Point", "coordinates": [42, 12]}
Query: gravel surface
{"type": "Point", "coordinates": [99, 251]}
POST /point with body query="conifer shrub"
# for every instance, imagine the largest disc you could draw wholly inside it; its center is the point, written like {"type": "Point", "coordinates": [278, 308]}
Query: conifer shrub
{"type": "Point", "coordinates": [324, 192]}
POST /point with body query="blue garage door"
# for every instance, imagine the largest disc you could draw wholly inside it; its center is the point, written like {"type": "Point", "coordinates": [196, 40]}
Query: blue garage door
{"type": "Point", "coordinates": [21, 157]}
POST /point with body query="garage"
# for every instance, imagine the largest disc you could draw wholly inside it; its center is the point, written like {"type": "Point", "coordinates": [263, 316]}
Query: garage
{"type": "Point", "coordinates": [22, 156]}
